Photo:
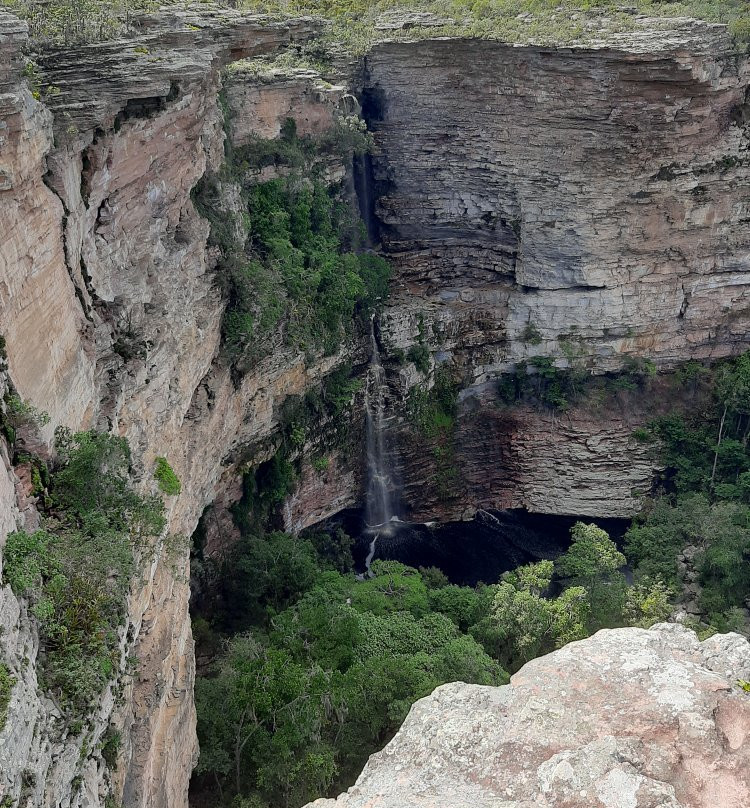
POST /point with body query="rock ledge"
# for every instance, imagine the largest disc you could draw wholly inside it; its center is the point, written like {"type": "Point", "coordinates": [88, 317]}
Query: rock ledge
{"type": "Point", "coordinates": [628, 718]}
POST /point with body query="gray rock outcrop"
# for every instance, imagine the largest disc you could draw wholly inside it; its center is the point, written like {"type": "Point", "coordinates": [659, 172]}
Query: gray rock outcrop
{"type": "Point", "coordinates": [627, 718]}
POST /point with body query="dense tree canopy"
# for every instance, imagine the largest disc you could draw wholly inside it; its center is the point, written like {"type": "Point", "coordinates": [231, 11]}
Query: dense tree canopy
{"type": "Point", "coordinates": [319, 669]}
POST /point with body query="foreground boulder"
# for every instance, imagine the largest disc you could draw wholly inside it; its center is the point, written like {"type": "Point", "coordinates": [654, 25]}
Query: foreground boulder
{"type": "Point", "coordinates": [628, 718]}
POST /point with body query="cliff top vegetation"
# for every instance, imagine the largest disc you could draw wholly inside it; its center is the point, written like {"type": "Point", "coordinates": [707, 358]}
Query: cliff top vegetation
{"type": "Point", "coordinates": [358, 24]}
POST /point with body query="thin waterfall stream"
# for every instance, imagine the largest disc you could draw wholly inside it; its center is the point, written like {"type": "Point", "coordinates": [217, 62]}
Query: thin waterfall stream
{"type": "Point", "coordinates": [380, 512]}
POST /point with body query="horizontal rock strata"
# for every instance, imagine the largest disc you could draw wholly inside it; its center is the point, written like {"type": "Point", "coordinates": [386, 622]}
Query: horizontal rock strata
{"type": "Point", "coordinates": [628, 717]}
{"type": "Point", "coordinates": [598, 197]}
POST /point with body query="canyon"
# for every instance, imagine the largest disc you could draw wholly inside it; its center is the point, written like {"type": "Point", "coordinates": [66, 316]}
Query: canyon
{"type": "Point", "coordinates": [582, 204]}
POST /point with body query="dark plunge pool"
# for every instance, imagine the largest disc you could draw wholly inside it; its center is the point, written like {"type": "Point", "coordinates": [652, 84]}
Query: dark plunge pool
{"type": "Point", "coordinates": [481, 549]}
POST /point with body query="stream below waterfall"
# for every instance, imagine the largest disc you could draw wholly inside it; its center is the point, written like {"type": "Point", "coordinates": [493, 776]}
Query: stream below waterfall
{"type": "Point", "coordinates": [379, 507]}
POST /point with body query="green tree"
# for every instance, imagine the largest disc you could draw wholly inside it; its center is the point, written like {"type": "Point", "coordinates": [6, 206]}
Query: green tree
{"type": "Point", "coordinates": [654, 540]}
{"type": "Point", "coordinates": [464, 605]}
{"type": "Point", "coordinates": [534, 578]}
{"type": "Point", "coordinates": [463, 659]}
{"type": "Point", "coordinates": [594, 562]}
{"type": "Point", "coordinates": [257, 718]}
{"type": "Point", "coordinates": [648, 602]}
{"type": "Point", "coordinates": [591, 555]}
{"type": "Point", "coordinates": [393, 588]}
{"type": "Point", "coordinates": [724, 565]}
{"type": "Point", "coordinates": [264, 575]}
{"type": "Point", "coordinates": [324, 630]}
{"type": "Point", "coordinates": [378, 693]}
{"type": "Point", "coordinates": [400, 633]}
{"type": "Point", "coordinates": [524, 624]}
{"type": "Point", "coordinates": [733, 392]}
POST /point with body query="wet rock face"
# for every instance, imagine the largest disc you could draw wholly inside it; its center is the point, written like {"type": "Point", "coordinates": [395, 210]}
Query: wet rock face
{"type": "Point", "coordinates": [596, 197]}
{"type": "Point", "coordinates": [587, 206]}
{"type": "Point", "coordinates": [628, 717]}
{"type": "Point", "coordinates": [584, 461]}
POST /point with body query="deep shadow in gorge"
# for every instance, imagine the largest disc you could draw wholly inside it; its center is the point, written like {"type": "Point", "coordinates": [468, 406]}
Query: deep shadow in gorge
{"type": "Point", "coordinates": [474, 551]}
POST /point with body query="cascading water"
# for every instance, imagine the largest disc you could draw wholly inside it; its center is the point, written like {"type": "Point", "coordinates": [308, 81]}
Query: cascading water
{"type": "Point", "coordinates": [362, 173]}
{"type": "Point", "coordinates": [380, 512]}
{"type": "Point", "coordinates": [379, 506]}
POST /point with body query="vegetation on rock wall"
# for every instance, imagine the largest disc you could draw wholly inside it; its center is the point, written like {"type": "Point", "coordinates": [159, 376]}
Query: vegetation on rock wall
{"type": "Point", "coordinates": [7, 682]}
{"type": "Point", "coordinates": [359, 23]}
{"type": "Point", "coordinates": [540, 382]}
{"type": "Point", "coordinates": [293, 266]}
{"type": "Point", "coordinates": [312, 669]}
{"type": "Point", "coordinates": [433, 413]}
{"type": "Point", "coordinates": [703, 497]}
{"type": "Point", "coordinates": [355, 21]}
{"type": "Point", "coordinates": [74, 21]}
{"type": "Point", "coordinates": [76, 571]}
{"type": "Point", "coordinates": [168, 481]}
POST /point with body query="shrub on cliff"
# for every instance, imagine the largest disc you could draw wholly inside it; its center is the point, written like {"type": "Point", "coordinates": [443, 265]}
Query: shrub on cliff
{"type": "Point", "coordinates": [327, 672]}
{"type": "Point", "coordinates": [296, 233]}
{"type": "Point", "coordinates": [740, 29]}
{"type": "Point", "coordinates": [7, 682]}
{"type": "Point", "coordinates": [67, 22]}
{"type": "Point", "coordinates": [294, 269]}
{"type": "Point", "coordinates": [704, 494]}
{"type": "Point", "coordinates": [76, 571]}
{"type": "Point", "coordinates": [420, 356]}
{"type": "Point", "coordinates": [168, 481]}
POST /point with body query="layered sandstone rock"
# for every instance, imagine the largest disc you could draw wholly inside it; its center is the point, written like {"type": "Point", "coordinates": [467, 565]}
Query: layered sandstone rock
{"type": "Point", "coordinates": [585, 461]}
{"type": "Point", "coordinates": [587, 205]}
{"type": "Point", "coordinates": [628, 717]}
{"type": "Point", "coordinates": [535, 197]}
{"type": "Point", "coordinates": [601, 199]}
{"type": "Point", "coordinates": [111, 317]}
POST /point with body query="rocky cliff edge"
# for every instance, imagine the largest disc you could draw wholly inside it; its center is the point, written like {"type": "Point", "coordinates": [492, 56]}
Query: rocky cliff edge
{"type": "Point", "coordinates": [628, 718]}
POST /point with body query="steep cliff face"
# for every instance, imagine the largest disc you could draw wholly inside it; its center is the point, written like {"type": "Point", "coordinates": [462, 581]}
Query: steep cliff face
{"type": "Point", "coordinates": [111, 318]}
{"type": "Point", "coordinates": [598, 196]}
{"type": "Point", "coordinates": [627, 717]}
{"type": "Point", "coordinates": [587, 205]}
{"type": "Point", "coordinates": [530, 199]}
{"type": "Point", "coordinates": [584, 462]}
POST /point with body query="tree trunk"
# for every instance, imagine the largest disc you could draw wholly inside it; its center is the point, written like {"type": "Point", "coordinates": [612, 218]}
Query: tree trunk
{"type": "Point", "coordinates": [237, 759]}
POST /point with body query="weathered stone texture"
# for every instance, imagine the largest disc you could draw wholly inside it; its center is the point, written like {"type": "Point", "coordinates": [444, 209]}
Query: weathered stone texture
{"type": "Point", "coordinates": [261, 105]}
{"type": "Point", "coordinates": [600, 195]}
{"type": "Point", "coordinates": [583, 462]}
{"type": "Point", "coordinates": [111, 317]}
{"type": "Point", "coordinates": [627, 718]}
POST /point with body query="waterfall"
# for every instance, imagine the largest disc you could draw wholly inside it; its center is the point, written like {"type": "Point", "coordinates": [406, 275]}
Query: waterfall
{"type": "Point", "coordinates": [368, 573]}
{"type": "Point", "coordinates": [379, 509]}
{"type": "Point", "coordinates": [362, 174]}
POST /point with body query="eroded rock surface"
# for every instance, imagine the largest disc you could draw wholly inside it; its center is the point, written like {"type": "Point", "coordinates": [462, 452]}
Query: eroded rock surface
{"type": "Point", "coordinates": [628, 718]}
{"type": "Point", "coordinates": [536, 197]}
{"type": "Point", "coordinates": [111, 319]}
{"type": "Point", "coordinates": [600, 196]}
